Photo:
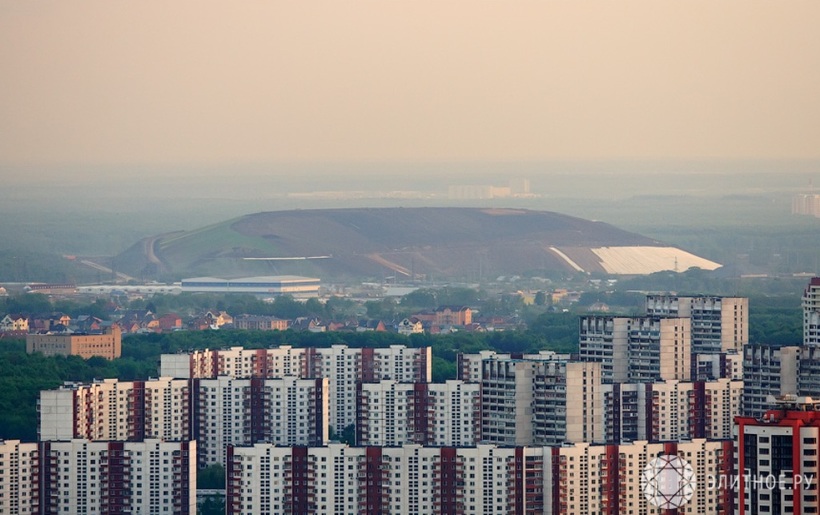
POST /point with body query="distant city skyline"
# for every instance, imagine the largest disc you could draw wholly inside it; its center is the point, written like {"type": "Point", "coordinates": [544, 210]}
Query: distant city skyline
{"type": "Point", "coordinates": [214, 84]}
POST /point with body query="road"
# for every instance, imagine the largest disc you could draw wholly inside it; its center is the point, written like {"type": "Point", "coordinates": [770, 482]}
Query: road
{"type": "Point", "coordinates": [107, 270]}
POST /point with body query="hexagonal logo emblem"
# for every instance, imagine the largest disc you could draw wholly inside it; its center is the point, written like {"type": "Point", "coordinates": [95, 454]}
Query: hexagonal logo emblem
{"type": "Point", "coordinates": [668, 482]}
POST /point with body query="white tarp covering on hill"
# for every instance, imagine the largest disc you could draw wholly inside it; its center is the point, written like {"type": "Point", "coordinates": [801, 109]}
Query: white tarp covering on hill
{"type": "Point", "coordinates": [648, 260]}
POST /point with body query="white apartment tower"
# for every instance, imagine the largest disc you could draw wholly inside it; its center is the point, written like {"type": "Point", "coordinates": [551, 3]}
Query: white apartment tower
{"type": "Point", "coordinates": [410, 479]}
{"type": "Point", "coordinates": [811, 313]}
{"type": "Point", "coordinates": [454, 413]}
{"type": "Point", "coordinates": [286, 411]}
{"type": "Point", "coordinates": [671, 410]}
{"type": "Point", "coordinates": [19, 465]}
{"type": "Point", "coordinates": [215, 412]}
{"type": "Point", "coordinates": [151, 476]}
{"type": "Point", "coordinates": [80, 476]}
{"type": "Point", "coordinates": [436, 414]}
{"type": "Point", "coordinates": [636, 349]}
{"type": "Point", "coordinates": [719, 324]}
{"type": "Point", "coordinates": [607, 479]}
{"type": "Point", "coordinates": [569, 479]}
{"type": "Point", "coordinates": [541, 402]}
{"type": "Point", "coordinates": [110, 409]}
{"type": "Point", "coordinates": [342, 365]}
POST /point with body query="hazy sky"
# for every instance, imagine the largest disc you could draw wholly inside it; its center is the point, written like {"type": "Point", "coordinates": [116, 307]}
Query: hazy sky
{"type": "Point", "coordinates": [192, 82]}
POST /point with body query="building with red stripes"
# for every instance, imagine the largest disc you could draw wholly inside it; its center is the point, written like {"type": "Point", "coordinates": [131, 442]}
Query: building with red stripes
{"type": "Point", "coordinates": [81, 476]}
{"type": "Point", "coordinates": [571, 479]}
{"type": "Point", "coordinates": [392, 413]}
{"type": "Point", "coordinates": [783, 443]}
{"type": "Point", "coordinates": [342, 365]}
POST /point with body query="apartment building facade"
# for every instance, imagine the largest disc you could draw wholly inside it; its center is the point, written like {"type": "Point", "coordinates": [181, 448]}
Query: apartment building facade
{"type": "Point", "coordinates": [19, 477]}
{"type": "Point", "coordinates": [718, 324]}
{"type": "Point", "coordinates": [215, 412]}
{"type": "Point", "coordinates": [769, 371]}
{"type": "Point", "coordinates": [343, 366]}
{"type": "Point", "coordinates": [811, 313]}
{"type": "Point", "coordinates": [110, 409]}
{"type": "Point", "coordinates": [107, 345]}
{"type": "Point", "coordinates": [412, 479]}
{"type": "Point", "coordinates": [671, 410]}
{"type": "Point", "coordinates": [285, 411]}
{"type": "Point", "coordinates": [468, 365]}
{"type": "Point", "coordinates": [540, 402]}
{"type": "Point", "coordinates": [150, 477]}
{"type": "Point", "coordinates": [636, 349]}
{"type": "Point", "coordinates": [436, 414]}
{"type": "Point", "coordinates": [782, 444]}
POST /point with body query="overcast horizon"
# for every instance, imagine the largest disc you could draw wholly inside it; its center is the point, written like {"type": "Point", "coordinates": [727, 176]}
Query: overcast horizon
{"type": "Point", "coordinates": [192, 86]}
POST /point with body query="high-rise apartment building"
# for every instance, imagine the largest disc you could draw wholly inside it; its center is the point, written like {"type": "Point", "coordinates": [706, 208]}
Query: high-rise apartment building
{"type": "Point", "coordinates": [411, 479]}
{"type": "Point", "coordinates": [768, 371]}
{"type": "Point", "coordinates": [718, 324]}
{"type": "Point", "coordinates": [19, 477]}
{"type": "Point", "coordinates": [806, 204]}
{"type": "Point", "coordinates": [808, 375]}
{"type": "Point", "coordinates": [392, 413]}
{"type": "Point", "coordinates": [81, 476]}
{"type": "Point", "coordinates": [216, 412]}
{"type": "Point", "coordinates": [110, 409]}
{"type": "Point", "coordinates": [285, 411]}
{"type": "Point", "coordinates": [343, 366]}
{"type": "Point", "coordinates": [151, 476]}
{"type": "Point", "coordinates": [781, 445]}
{"type": "Point", "coordinates": [708, 367]}
{"type": "Point", "coordinates": [636, 349]}
{"type": "Point", "coordinates": [609, 479]}
{"type": "Point", "coordinates": [540, 402]}
{"type": "Point", "coordinates": [811, 313]}
{"type": "Point", "coordinates": [671, 410]}
{"type": "Point", "coordinates": [777, 371]}
{"type": "Point", "coordinates": [468, 366]}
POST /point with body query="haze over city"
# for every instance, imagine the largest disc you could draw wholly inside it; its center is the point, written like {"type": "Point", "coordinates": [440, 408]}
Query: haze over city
{"type": "Point", "coordinates": [100, 86]}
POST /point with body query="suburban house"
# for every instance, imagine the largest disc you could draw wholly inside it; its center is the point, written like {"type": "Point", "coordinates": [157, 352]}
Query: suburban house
{"type": "Point", "coordinates": [218, 318]}
{"type": "Point", "coordinates": [453, 315]}
{"type": "Point", "coordinates": [13, 322]}
{"type": "Point", "coordinates": [49, 322]}
{"type": "Point", "coordinates": [371, 325]}
{"type": "Point", "coordinates": [170, 322]}
{"type": "Point", "coordinates": [410, 326]}
{"type": "Point", "coordinates": [137, 320]}
{"type": "Point", "coordinates": [260, 323]}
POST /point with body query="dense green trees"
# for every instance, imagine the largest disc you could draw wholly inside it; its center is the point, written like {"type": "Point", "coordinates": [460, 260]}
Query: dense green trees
{"type": "Point", "coordinates": [23, 265]}
{"type": "Point", "coordinates": [775, 320]}
{"type": "Point", "coordinates": [429, 298]}
{"type": "Point", "coordinates": [211, 477]}
{"type": "Point", "coordinates": [36, 304]}
{"type": "Point", "coordinates": [26, 303]}
{"type": "Point", "coordinates": [283, 307]}
{"type": "Point", "coordinates": [22, 376]}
